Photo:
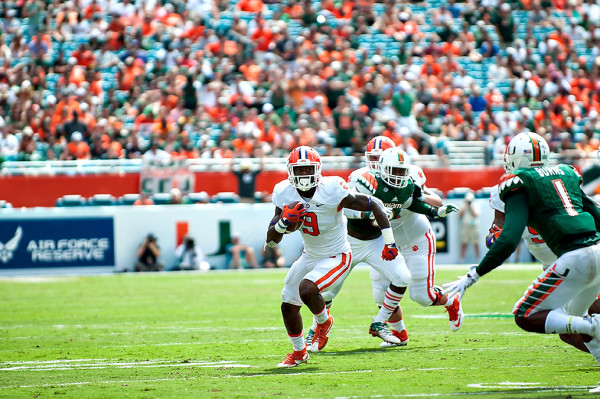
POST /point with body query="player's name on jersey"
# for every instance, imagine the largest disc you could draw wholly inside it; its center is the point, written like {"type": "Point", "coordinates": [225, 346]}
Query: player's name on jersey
{"type": "Point", "coordinates": [549, 170]}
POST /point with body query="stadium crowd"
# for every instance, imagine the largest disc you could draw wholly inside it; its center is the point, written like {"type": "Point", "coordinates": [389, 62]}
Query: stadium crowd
{"type": "Point", "coordinates": [108, 79]}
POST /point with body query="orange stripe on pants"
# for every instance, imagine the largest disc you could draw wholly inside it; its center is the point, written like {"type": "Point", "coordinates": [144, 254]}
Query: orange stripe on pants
{"type": "Point", "coordinates": [345, 262]}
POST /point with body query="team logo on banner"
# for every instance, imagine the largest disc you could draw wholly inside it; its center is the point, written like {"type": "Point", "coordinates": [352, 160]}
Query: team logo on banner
{"type": "Point", "coordinates": [440, 231]}
{"type": "Point", "coordinates": [56, 242]}
{"type": "Point", "coordinates": [159, 176]}
{"type": "Point", "coordinates": [7, 249]}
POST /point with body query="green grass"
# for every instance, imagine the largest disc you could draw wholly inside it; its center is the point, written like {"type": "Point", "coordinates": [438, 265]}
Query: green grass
{"type": "Point", "coordinates": [221, 335]}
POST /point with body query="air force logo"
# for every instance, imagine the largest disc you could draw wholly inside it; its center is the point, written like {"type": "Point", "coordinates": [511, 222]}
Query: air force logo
{"type": "Point", "coordinates": [6, 250]}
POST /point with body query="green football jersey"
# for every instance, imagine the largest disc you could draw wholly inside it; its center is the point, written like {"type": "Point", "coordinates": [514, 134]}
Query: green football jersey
{"type": "Point", "coordinates": [371, 183]}
{"type": "Point", "coordinates": [555, 203]}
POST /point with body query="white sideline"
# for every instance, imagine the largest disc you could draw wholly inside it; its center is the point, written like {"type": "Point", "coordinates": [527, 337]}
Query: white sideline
{"type": "Point", "coordinates": [56, 274]}
{"type": "Point", "coordinates": [85, 364]}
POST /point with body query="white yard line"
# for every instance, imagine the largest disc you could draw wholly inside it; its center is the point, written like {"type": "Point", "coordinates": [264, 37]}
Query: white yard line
{"type": "Point", "coordinates": [86, 364]}
{"type": "Point", "coordinates": [529, 389]}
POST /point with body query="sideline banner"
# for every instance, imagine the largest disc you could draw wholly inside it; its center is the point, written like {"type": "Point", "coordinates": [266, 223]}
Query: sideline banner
{"type": "Point", "coordinates": [440, 230]}
{"type": "Point", "coordinates": [56, 242]}
{"type": "Point", "coordinates": [160, 176]}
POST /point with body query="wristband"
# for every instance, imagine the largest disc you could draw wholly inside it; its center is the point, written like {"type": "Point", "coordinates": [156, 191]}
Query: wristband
{"type": "Point", "coordinates": [280, 227]}
{"type": "Point", "coordinates": [388, 236]}
{"type": "Point", "coordinates": [433, 211]}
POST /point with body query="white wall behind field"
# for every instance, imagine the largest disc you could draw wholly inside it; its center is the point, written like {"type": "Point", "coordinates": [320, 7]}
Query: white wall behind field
{"type": "Point", "coordinates": [249, 221]}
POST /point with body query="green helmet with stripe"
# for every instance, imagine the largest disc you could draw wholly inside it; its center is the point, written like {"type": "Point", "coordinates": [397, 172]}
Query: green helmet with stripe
{"type": "Point", "coordinates": [526, 150]}
{"type": "Point", "coordinates": [394, 167]}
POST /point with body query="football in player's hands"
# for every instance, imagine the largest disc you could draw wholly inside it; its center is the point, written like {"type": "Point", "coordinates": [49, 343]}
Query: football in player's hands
{"type": "Point", "coordinates": [293, 214]}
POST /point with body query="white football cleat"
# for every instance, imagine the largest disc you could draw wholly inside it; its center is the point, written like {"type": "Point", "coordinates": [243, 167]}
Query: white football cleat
{"type": "Point", "coordinates": [381, 330]}
{"type": "Point", "coordinates": [402, 336]}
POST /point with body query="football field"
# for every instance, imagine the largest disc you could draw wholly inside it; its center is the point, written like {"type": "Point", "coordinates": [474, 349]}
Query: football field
{"type": "Point", "coordinates": [221, 335]}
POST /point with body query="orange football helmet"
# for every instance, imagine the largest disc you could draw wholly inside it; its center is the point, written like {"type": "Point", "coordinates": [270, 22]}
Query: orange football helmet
{"type": "Point", "coordinates": [304, 156]}
{"type": "Point", "coordinates": [374, 149]}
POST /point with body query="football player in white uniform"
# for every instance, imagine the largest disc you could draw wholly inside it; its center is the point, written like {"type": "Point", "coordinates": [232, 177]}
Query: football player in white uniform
{"type": "Point", "coordinates": [416, 241]}
{"type": "Point", "coordinates": [375, 147]}
{"type": "Point", "coordinates": [418, 248]}
{"type": "Point", "coordinates": [317, 202]}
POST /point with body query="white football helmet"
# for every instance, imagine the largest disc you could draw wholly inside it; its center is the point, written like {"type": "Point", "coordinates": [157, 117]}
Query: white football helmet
{"type": "Point", "coordinates": [526, 150]}
{"type": "Point", "coordinates": [394, 167]}
{"type": "Point", "coordinates": [304, 156]}
{"type": "Point", "coordinates": [375, 147]}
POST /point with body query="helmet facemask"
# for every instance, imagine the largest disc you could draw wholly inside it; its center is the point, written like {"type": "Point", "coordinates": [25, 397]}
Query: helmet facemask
{"type": "Point", "coordinates": [372, 159]}
{"type": "Point", "coordinates": [395, 175]}
{"type": "Point", "coordinates": [394, 167]}
{"type": "Point", "coordinates": [302, 179]}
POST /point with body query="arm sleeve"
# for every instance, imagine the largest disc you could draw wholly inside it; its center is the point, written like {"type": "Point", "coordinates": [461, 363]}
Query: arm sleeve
{"type": "Point", "coordinates": [592, 208]}
{"type": "Point", "coordinates": [516, 220]}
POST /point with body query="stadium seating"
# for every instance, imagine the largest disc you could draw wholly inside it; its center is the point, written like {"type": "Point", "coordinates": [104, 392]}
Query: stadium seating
{"type": "Point", "coordinates": [71, 200]}
{"type": "Point", "coordinates": [5, 204]}
{"type": "Point", "coordinates": [102, 200]}
{"type": "Point", "coordinates": [201, 197]}
{"type": "Point", "coordinates": [161, 198]}
{"type": "Point", "coordinates": [458, 192]}
{"type": "Point", "coordinates": [225, 197]}
{"type": "Point", "coordinates": [128, 199]}
{"type": "Point", "coordinates": [483, 193]}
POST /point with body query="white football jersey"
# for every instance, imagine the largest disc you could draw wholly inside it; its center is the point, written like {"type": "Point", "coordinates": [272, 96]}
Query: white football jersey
{"type": "Point", "coordinates": [418, 176]}
{"type": "Point", "coordinates": [411, 226]}
{"type": "Point", "coordinates": [535, 243]}
{"type": "Point", "coordinates": [352, 179]}
{"type": "Point", "coordinates": [324, 227]}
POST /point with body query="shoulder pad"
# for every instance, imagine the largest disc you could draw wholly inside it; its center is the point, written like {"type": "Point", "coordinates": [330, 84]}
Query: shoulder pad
{"type": "Point", "coordinates": [369, 181]}
{"type": "Point", "coordinates": [495, 201]}
{"type": "Point", "coordinates": [576, 173]}
{"type": "Point", "coordinates": [416, 173]}
{"type": "Point", "coordinates": [509, 182]}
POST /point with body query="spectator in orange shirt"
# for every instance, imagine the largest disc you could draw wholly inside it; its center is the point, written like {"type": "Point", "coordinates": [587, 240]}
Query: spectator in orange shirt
{"type": "Point", "coordinates": [243, 146]}
{"type": "Point", "coordinates": [126, 75]}
{"type": "Point", "coordinates": [254, 6]}
{"type": "Point", "coordinates": [144, 199]}
{"type": "Point", "coordinates": [167, 100]}
{"type": "Point", "coordinates": [83, 55]}
{"type": "Point", "coordinates": [91, 9]}
{"type": "Point", "coordinates": [77, 148]}
{"type": "Point", "coordinates": [250, 70]}
{"type": "Point", "coordinates": [262, 36]}
{"type": "Point", "coordinates": [430, 67]}
{"type": "Point", "coordinates": [59, 119]}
